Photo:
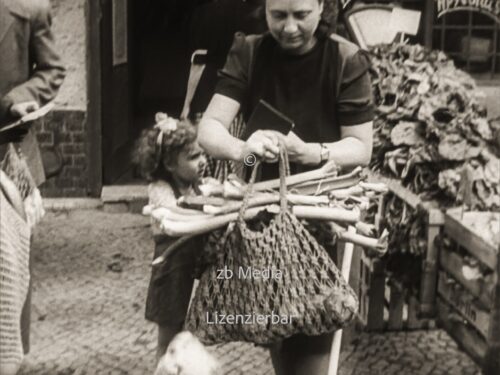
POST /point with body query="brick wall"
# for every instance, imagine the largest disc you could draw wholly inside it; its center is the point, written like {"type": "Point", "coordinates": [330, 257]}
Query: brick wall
{"type": "Point", "coordinates": [65, 130]}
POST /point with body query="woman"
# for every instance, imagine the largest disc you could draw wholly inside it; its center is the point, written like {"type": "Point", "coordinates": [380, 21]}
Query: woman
{"type": "Point", "coordinates": [321, 82]}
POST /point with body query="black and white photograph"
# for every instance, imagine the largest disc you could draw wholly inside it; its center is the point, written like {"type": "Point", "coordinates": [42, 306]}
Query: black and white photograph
{"type": "Point", "coordinates": [249, 187]}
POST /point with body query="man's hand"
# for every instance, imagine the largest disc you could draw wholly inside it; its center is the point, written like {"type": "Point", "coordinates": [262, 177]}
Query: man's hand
{"type": "Point", "coordinates": [22, 109]}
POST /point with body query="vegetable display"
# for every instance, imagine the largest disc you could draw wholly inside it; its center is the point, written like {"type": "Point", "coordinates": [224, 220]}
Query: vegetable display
{"type": "Point", "coordinates": [316, 196]}
{"type": "Point", "coordinates": [431, 129]}
{"type": "Point", "coordinates": [432, 134]}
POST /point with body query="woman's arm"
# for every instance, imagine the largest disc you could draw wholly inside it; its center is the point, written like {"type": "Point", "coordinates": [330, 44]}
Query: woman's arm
{"type": "Point", "coordinates": [214, 137]}
{"type": "Point", "coordinates": [354, 148]}
{"type": "Point", "coordinates": [213, 133]}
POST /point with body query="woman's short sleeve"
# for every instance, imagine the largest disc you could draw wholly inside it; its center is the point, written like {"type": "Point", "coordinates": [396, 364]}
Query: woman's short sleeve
{"type": "Point", "coordinates": [233, 78]}
{"type": "Point", "coordinates": [355, 98]}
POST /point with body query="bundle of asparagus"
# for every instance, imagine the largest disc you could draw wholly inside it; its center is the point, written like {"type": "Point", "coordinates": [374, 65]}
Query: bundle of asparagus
{"type": "Point", "coordinates": [320, 194]}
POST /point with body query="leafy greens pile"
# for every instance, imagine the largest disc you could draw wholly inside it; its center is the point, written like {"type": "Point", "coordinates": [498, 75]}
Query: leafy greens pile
{"type": "Point", "coordinates": [430, 132]}
{"type": "Point", "coordinates": [431, 128]}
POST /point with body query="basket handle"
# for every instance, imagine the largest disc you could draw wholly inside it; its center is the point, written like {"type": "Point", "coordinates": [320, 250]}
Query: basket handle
{"type": "Point", "coordinates": [284, 170]}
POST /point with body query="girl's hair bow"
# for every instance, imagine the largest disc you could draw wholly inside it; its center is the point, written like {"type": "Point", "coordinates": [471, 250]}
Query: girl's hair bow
{"type": "Point", "coordinates": [165, 125]}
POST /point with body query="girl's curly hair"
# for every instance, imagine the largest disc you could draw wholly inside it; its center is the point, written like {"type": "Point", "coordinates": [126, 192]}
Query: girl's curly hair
{"type": "Point", "coordinates": [149, 157]}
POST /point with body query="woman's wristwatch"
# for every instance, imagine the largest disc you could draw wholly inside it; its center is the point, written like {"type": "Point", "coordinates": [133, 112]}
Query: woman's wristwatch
{"type": "Point", "coordinates": [324, 153]}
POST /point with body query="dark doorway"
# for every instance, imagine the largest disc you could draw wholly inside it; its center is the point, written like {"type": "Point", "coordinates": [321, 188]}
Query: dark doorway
{"type": "Point", "coordinates": [146, 48]}
{"type": "Point", "coordinates": [145, 67]}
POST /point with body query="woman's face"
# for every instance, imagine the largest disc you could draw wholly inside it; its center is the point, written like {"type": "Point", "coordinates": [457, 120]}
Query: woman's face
{"type": "Point", "coordinates": [293, 23]}
{"type": "Point", "coordinates": [190, 164]}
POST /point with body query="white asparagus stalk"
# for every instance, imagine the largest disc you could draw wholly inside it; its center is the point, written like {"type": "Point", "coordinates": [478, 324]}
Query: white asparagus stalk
{"type": "Point", "coordinates": [358, 239]}
{"type": "Point", "coordinates": [184, 211]}
{"type": "Point", "coordinates": [231, 190]}
{"type": "Point", "coordinates": [377, 187]}
{"type": "Point", "coordinates": [298, 178]}
{"type": "Point", "coordinates": [211, 190]}
{"type": "Point", "coordinates": [195, 227]}
{"type": "Point", "coordinates": [326, 213]}
{"type": "Point", "coordinates": [199, 201]}
{"type": "Point", "coordinates": [179, 212]}
{"type": "Point", "coordinates": [347, 193]}
{"type": "Point", "coordinates": [307, 200]}
{"type": "Point", "coordinates": [264, 199]}
{"type": "Point", "coordinates": [379, 245]}
{"type": "Point", "coordinates": [259, 200]}
{"type": "Point", "coordinates": [177, 229]}
{"type": "Point", "coordinates": [326, 185]}
{"type": "Point", "coordinates": [355, 173]}
{"type": "Point", "coordinates": [365, 228]}
{"type": "Point", "coordinates": [146, 210]}
{"type": "Point", "coordinates": [167, 213]}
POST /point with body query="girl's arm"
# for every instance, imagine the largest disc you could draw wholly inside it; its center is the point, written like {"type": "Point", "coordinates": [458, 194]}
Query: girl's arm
{"type": "Point", "coordinates": [214, 137]}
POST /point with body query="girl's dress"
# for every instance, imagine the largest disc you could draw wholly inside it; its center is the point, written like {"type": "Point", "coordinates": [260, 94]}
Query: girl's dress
{"type": "Point", "coordinates": [171, 282]}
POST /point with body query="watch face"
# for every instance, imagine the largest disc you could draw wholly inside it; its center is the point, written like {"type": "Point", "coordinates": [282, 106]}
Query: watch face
{"type": "Point", "coordinates": [325, 153]}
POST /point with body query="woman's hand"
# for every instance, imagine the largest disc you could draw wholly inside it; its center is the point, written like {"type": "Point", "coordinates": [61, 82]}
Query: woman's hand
{"type": "Point", "coordinates": [299, 151]}
{"type": "Point", "coordinates": [263, 144]}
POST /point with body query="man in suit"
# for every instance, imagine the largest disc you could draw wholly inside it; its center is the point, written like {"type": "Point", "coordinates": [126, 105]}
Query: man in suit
{"type": "Point", "coordinates": [31, 73]}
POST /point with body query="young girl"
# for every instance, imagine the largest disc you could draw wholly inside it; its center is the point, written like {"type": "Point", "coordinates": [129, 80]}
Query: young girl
{"type": "Point", "coordinates": [169, 157]}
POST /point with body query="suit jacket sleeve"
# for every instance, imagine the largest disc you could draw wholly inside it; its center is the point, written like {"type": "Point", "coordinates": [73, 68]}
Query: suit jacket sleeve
{"type": "Point", "coordinates": [48, 72]}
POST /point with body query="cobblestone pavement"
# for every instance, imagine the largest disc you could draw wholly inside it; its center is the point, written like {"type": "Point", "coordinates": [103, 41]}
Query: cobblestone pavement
{"type": "Point", "coordinates": [90, 277]}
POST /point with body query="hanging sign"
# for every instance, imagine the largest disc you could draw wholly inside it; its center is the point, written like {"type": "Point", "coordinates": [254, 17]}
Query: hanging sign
{"type": "Point", "coordinates": [490, 7]}
{"type": "Point", "coordinates": [405, 21]}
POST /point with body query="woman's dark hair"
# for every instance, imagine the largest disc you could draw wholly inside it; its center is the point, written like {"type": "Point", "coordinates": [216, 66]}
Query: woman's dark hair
{"type": "Point", "coordinates": [328, 21]}
{"type": "Point", "coordinates": [149, 156]}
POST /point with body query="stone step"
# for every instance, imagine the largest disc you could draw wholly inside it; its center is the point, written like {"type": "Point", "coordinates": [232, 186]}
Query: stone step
{"type": "Point", "coordinates": [124, 198]}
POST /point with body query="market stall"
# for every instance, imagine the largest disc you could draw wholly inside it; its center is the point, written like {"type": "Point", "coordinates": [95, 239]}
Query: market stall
{"type": "Point", "coordinates": [436, 148]}
{"type": "Point", "coordinates": [468, 298]}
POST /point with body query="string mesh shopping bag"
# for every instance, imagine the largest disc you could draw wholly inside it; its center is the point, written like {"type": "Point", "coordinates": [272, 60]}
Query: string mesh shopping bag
{"type": "Point", "coordinates": [270, 284]}
{"type": "Point", "coordinates": [16, 168]}
{"type": "Point", "coordinates": [14, 274]}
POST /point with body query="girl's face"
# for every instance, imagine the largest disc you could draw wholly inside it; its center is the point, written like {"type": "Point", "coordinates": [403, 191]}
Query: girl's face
{"type": "Point", "coordinates": [190, 164]}
{"type": "Point", "coordinates": [293, 23]}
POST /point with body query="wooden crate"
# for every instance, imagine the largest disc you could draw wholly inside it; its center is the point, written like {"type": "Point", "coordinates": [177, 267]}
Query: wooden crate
{"type": "Point", "coordinates": [364, 272]}
{"type": "Point", "coordinates": [389, 306]}
{"type": "Point", "coordinates": [463, 333]}
{"type": "Point", "coordinates": [381, 306]}
{"type": "Point", "coordinates": [435, 221]}
{"type": "Point", "coordinates": [482, 289]}
{"type": "Point", "coordinates": [359, 279]}
{"type": "Point", "coordinates": [463, 303]}
{"type": "Point", "coordinates": [470, 309]}
{"type": "Point", "coordinates": [462, 233]}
